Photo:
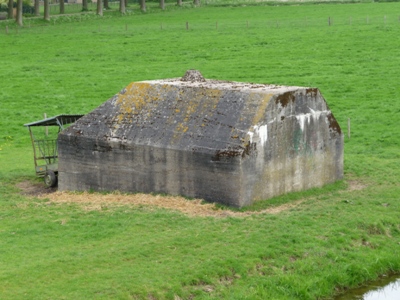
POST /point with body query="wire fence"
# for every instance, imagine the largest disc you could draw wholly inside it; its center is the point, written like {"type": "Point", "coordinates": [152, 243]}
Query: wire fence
{"type": "Point", "coordinates": [129, 24]}
{"type": "Point", "coordinates": [73, 13]}
{"type": "Point", "coordinates": [70, 8]}
{"type": "Point", "coordinates": [272, 2]}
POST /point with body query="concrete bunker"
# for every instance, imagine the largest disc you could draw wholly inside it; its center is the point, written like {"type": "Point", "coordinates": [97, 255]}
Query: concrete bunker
{"type": "Point", "coordinates": [227, 142]}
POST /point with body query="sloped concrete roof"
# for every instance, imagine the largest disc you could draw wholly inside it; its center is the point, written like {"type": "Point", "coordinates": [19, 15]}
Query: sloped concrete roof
{"type": "Point", "coordinates": [209, 116]}
{"type": "Point", "coordinates": [230, 142]}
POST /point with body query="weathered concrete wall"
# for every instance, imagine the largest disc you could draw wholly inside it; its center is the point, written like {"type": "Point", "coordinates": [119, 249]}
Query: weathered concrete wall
{"type": "Point", "coordinates": [303, 147]}
{"type": "Point", "coordinates": [228, 142]}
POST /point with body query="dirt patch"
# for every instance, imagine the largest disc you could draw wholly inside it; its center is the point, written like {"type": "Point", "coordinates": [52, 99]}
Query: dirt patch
{"type": "Point", "coordinates": [355, 185]}
{"type": "Point", "coordinates": [34, 189]}
{"type": "Point", "coordinates": [196, 207]}
{"type": "Point", "coordinates": [96, 201]}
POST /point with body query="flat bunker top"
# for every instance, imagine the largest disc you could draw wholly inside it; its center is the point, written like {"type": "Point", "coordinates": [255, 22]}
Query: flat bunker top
{"type": "Point", "coordinates": [225, 85]}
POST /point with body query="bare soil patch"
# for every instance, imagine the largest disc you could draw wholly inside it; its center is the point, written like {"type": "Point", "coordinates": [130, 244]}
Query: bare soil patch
{"type": "Point", "coordinates": [96, 201]}
{"type": "Point", "coordinates": [355, 185]}
{"type": "Point", "coordinates": [34, 189]}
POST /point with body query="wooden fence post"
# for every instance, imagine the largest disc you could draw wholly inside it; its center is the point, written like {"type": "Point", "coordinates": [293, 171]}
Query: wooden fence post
{"type": "Point", "coordinates": [329, 21]}
{"type": "Point", "coordinates": [46, 129]}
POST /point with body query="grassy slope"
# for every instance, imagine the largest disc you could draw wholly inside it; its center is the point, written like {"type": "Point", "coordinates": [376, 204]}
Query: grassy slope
{"type": "Point", "coordinates": [335, 238]}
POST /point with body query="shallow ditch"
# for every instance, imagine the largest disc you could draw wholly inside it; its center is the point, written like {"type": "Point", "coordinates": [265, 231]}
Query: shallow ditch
{"type": "Point", "coordinates": [387, 288]}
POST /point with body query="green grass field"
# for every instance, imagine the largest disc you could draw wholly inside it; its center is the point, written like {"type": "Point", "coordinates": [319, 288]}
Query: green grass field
{"type": "Point", "coordinates": [335, 238]}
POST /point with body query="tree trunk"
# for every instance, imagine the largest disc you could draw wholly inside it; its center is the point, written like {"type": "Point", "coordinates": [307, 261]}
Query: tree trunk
{"type": "Point", "coordinates": [196, 2]}
{"type": "Point", "coordinates": [122, 9]}
{"type": "Point", "coordinates": [46, 10]}
{"type": "Point", "coordinates": [162, 4]}
{"type": "Point", "coordinates": [37, 8]}
{"type": "Point", "coordinates": [126, 3]}
{"type": "Point", "coordinates": [10, 9]}
{"type": "Point", "coordinates": [106, 4]}
{"type": "Point", "coordinates": [143, 5]}
{"type": "Point", "coordinates": [62, 7]}
{"type": "Point", "coordinates": [84, 5]}
{"type": "Point", "coordinates": [179, 2]}
{"type": "Point", "coordinates": [99, 9]}
{"type": "Point", "coordinates": [19, 13]}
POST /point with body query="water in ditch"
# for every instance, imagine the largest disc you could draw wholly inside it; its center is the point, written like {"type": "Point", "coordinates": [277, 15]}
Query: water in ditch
{"type": "Point", "coordinates": [387, 288]}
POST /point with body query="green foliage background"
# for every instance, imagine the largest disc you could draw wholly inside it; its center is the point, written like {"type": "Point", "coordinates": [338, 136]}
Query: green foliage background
{"type": "Point", "coordinates": [338, 237]}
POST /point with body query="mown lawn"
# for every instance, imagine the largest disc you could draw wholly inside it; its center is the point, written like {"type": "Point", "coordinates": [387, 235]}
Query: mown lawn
{"type": "Point", "coordinates": [336, 237]}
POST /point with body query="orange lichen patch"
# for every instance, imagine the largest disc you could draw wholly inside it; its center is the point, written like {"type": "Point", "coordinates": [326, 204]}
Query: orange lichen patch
{"type": "Point", "coordinates": [208, 101]}
{"type": "Point", "coordinates": [199, 103]}
{"type": "Point", "coordinates": [181, 128]}
{"type": "Point", "coordinates": [134, 98]}
{"type": "Point", "coordinates": [262, 106]}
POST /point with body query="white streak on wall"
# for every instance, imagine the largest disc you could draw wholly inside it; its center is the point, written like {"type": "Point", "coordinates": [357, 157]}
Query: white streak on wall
{"type": "Point", "coordinates": [251, 136]}
{"type": "Point", "coordinates": [263, 134]}
{"type": "Point", "coordinates": [302, 118]}
{"type": "Point", "coordinates": [261, 131]}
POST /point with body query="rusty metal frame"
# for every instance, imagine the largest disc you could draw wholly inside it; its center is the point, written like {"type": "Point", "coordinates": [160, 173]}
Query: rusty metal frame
{"type": "Point", "coordinates": [51, 161]}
